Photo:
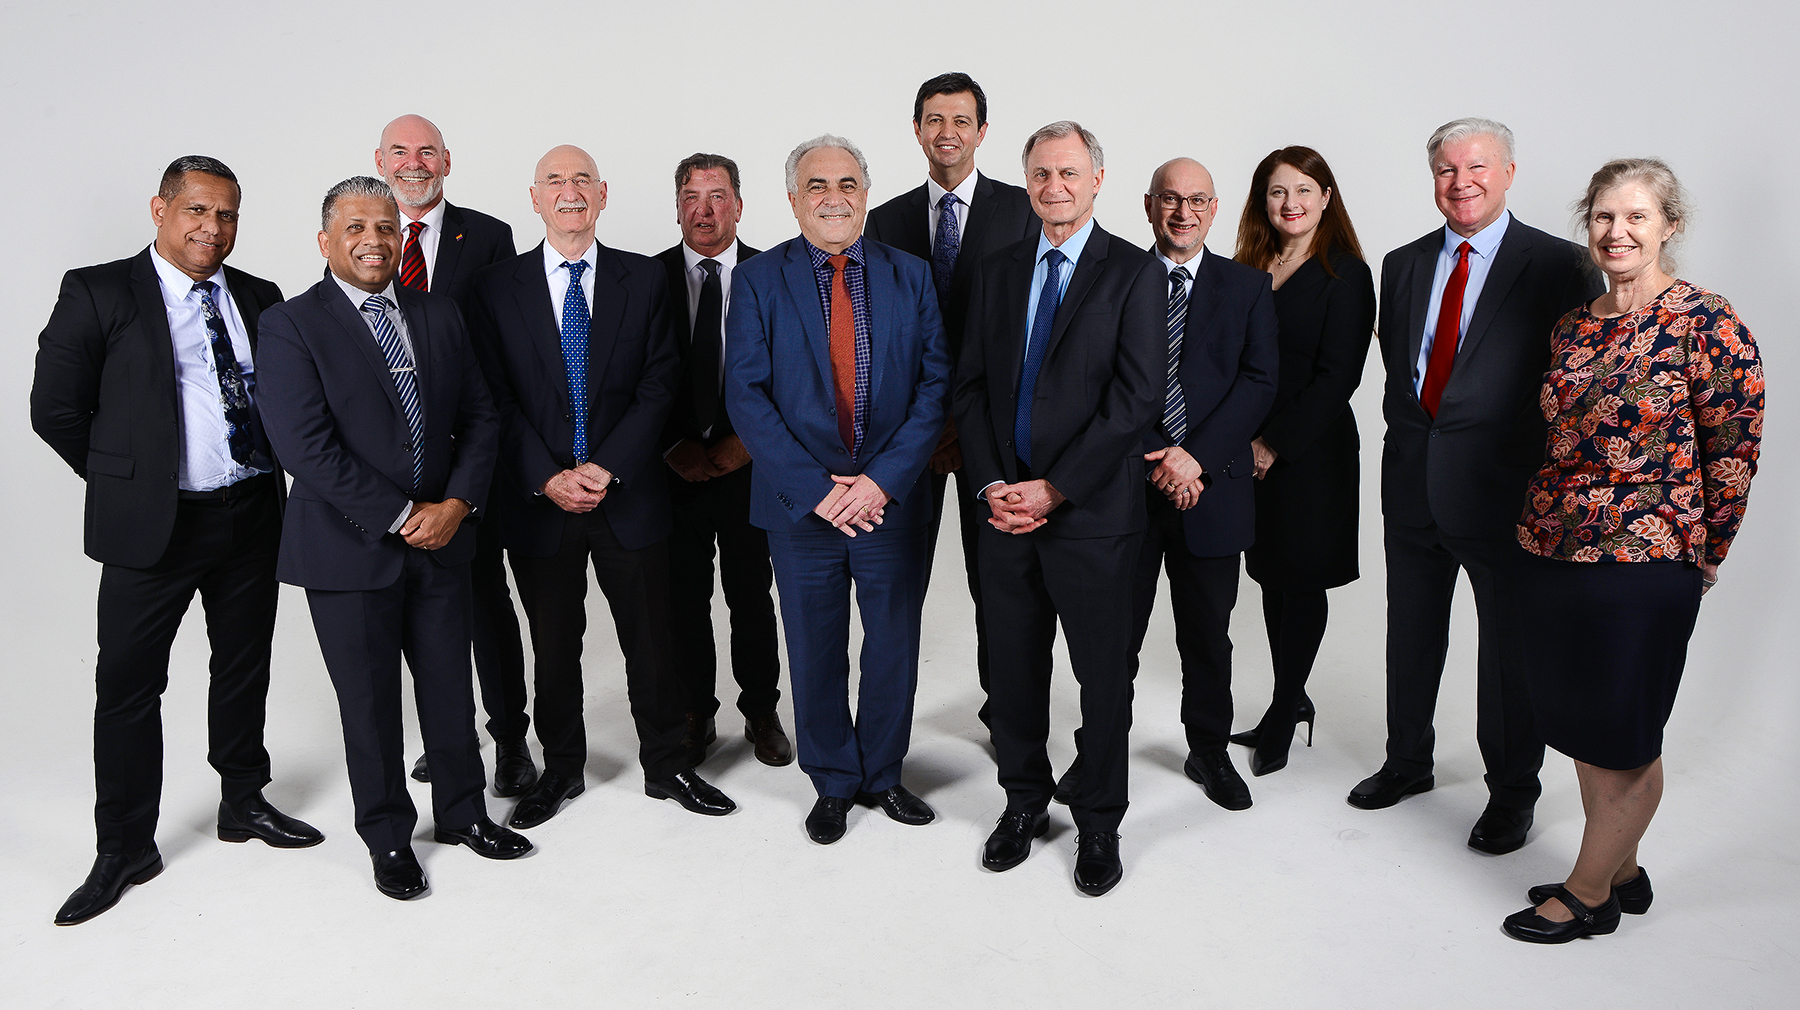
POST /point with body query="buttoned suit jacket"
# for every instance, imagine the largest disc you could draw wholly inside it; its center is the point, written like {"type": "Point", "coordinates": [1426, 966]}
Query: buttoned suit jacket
{"type": "Point", "coordinates": [631, 375]}
{"type": "Point", "coordinates": [334, 415]}
{"type": "Point", "coordinates": [1467, 469]}
{"type": "Point", "coordinates": [104, 397]}
{"type": "Point", "coordinates": [682, 419]}
{"type": "Point", "coordinates": [1229, 355]}
{"type": "Point", "coordinates": [1099, 389]}
{"type": "Point", "coordinates": [780, 393]}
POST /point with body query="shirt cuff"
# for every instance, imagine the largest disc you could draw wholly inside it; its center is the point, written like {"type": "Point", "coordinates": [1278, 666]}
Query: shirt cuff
{"type": "Point", "coordinates": [401, 521]}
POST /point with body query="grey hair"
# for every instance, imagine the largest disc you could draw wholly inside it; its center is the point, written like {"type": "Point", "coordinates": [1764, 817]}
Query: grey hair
{"type": "Point", "coordinates": [1670, 195]}
{"type": "Point", "coordinates": [1065, 128]}
{"type": "Point", "coordinates": [356, 185]}
{"type": "Point", "coordinates": [823, 140]}
{"type": "Point", "coordinates": [174, 178]}
{"type": "Point", "coordinates": [1462, 129]}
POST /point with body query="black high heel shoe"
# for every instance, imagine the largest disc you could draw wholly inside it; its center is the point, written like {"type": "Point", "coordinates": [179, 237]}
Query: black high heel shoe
{"type": "Point", "coordinates": [1303, 713]}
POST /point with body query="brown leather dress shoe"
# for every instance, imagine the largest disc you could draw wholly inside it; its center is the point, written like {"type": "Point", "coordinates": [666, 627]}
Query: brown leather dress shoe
{"type": "Point", "coordinates": [770, 740]}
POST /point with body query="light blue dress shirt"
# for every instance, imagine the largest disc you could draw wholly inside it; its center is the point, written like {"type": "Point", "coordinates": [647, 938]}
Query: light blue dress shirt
{"type": "Point", "coordinates": [1482, 247]}
{"type": "Point", "coordinates": [1071, 247]}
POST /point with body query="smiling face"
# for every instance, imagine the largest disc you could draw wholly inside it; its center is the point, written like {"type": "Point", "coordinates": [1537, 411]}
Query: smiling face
{"type": "Point", "coordinates": [1471, 177]}
{"type": "Point", "coordinates": [1626, 231]}
{"type": "Point", "coordinates": [1295, 201]}
{"type": "Point", "coordinates": [1181, 230]}
{"type": "Point", "coordinates": [707, 208]}
{"type": "Point", "coordinates": [1062, 182]}
{"type": "Point", "coordinates": [569, 195]}
{"type": "Point", "coordinates": [414, 161]}
{"type": "Point", "coordinates": [362, 243]}
{"type": "Point", "coordinates": [948, 132]}
{"type": "Point", "coordinates": [832, 200]}
{"type": "Point", "coordinates": [196, 230]}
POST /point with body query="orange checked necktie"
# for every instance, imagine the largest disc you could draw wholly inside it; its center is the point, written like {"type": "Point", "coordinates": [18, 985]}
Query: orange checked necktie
{"type": "Point", "coordinates": [843, 352]}
{"type": "Point", "coordinates": [1449, 328]}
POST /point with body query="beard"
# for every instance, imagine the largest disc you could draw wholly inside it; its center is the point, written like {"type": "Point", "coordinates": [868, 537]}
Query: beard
{"type": "Point", "coordinates": [417, 194]}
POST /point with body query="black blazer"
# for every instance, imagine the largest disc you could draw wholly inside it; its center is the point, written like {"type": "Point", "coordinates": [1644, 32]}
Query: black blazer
{"type": "Point", "coordinates": [470, 241]}
{"type": "Point", "coordinates": [1467, 470]}
{"type": "Point", "coordinates": [998, 216]}
{"type": "Point", "coordinates": [1229, 355]}
{"type": "Point", "coordinates": [631, 371]}
{"type": "Point", "coordinates": [333, 414]}
{"type": "Point", "coordinates": [681, 417]}
{"type": "Point", "coordinates": [104, 397]}
{"type": "Point", "coordinates": [1099, 389]}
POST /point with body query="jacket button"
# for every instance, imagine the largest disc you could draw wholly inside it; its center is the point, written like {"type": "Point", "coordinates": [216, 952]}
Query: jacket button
{"type": "Point", "coordinates": [407, 446]}
{"type": "Point", "coordinates": [1434, 432]}
{"type": "Point", "coordinates": [569, 417]}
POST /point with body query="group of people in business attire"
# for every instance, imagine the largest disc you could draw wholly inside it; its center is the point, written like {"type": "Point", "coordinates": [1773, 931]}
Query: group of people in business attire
{"type": "Point", "coordinates": [442, 405]}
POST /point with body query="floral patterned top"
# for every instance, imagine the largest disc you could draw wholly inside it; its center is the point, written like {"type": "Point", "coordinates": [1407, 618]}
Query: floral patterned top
{"type": "Point", "coordinates": [1655, 424]}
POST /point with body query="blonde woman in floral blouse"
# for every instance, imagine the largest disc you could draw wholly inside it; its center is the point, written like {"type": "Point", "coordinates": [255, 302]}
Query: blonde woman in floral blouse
{"type": "Point", "coordinates": [1654, 398]}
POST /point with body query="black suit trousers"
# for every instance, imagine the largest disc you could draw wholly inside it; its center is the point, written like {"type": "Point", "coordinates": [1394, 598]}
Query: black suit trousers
{"type": "Point", "coordinates": [499, 653]}
{"type": "Point", "coordinates": [708, 513]}
{"type": "Point", "coordinates": [971, 513]}
{"type": "Point", "coordinates": [1421, 582]}
{"type": "Point", "coordinates": [636, 584]}
{"type": "Point", "coordinates": [425, 616]}
{"type": "Point", "coordinates": [1202, 592]}
{"type": "Point", "coordinates": [1028, 582]}
{"type": "Point", "coordinates": [224, 549]}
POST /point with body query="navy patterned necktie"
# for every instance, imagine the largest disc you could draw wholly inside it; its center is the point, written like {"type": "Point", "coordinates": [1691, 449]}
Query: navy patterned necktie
{"type": "Point", "coordinates": [575, 354]}
{"type": "Point", "coordinates": [1049, 296]}
{"type": "Point", "coordinates": [1174, 405]}
{"type": "Point", "coordinates": [945, 247]}
{"type": "Point", "coordinates": [234, 397]}
{"type": "Point", "coordinates": [400, 366]}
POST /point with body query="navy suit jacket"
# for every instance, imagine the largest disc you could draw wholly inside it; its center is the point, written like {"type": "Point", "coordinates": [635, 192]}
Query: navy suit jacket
{"type": "Point", "coordinates": [1100, 387]}
{"type": "Point", "coordinates": [104, 398]}
{"type": "Point", "coordinates": [779, 388]}
{"type": "Point", "coordinates": [470, 241]}
{"type": "Point", "coordinates": [1466, 470]}
{"type": "Point", "coordinates": [1229, 355]}
{"type": "Point", "coordinates": [681, 418]}
{"type": "Point", "coordinates": [631, 375]}
{"type": "Point", "coordinates": [333, 413]}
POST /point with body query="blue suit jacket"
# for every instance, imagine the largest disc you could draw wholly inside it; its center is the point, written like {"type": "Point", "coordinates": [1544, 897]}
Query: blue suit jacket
{"type": "Point", "coordinates": [779, 388]}
{"type": "Point", "coordinates": [333, 414]}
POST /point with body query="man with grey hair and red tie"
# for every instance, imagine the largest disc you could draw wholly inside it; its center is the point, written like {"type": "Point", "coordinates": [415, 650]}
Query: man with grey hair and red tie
{"type": "Point", "coordinates": [1466, 313]}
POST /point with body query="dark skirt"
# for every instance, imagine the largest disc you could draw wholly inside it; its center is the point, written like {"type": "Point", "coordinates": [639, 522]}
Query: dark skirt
{"type": "Point", "coordinates": [1604, 644]}
{"type": "Point", "coordinates": [1306, 516]}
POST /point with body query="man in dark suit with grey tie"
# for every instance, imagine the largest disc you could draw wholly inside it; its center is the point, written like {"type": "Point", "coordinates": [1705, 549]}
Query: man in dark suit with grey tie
{"type": "Point", "coordinates": [374, 400]}
{"type": "Point", "coordinates": [952, 221]}
{"type": "Point", "coordinates": [146, 386]}
{"type": "Point", "coordinates": [442, 248]}
{"type": "Point", "coordinates": [1062, 372]}
{"type": "Point", "coordinates": [1466, 313]}
{"type": "Point", "coordinates": [709, 477]}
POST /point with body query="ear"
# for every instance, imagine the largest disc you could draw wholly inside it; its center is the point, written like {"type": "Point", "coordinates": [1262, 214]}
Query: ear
{"type": "Point", "coordinates": [324, 247]}
{"type": "Point", "coordinates": [158, 208]}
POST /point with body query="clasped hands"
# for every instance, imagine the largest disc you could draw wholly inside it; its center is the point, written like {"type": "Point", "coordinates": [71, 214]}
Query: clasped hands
{"type": "Point", "coordinates": [1022, 507]}
{"type": "Point", "coordinates": [854, 503]}
{"type": "Point", "coordinates": [694, 461]}
{"type": "Point", "coordinates": [580, 489]}
{"type": "Point", "coordinates": [1177, 476]}
{"type": "Point", "coordinates": [431, 524]}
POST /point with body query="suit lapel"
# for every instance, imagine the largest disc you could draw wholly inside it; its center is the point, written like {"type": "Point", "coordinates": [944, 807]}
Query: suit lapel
{"type": "Point", "coordinates": [449, 250]}
{"type": "Point", "coordinates": [917, 232]}
{"type": "Point", "coordinates": [531, 294]}
{"type": "Point", "coordinates": [981, 212]}
{"type": "Point", "coordinates": [420, 335]}
{"type": "Point", "coordinates": [879, 284]}
{"type": "Point", "coordinates": [605, 313]}
{"type": "Point", "coordinates": [1203, 299]}
{"type": "Point", "coordinates": [1510, 261]}
{"type": "Point", "coordinates": [675, 266]}
{"type": "Point", "coordinates": [1012, 300]}
{"type": "Point", "coordinates": [350, 319]}
{"type": "Point", "coordinates": [1087, 271]}
{"type": "Point", "coordinates": [804, 290]}
{"type": "Point", "coordinates": [1423, 266]}
{"type": "Point", "coordinates": [146, 291]}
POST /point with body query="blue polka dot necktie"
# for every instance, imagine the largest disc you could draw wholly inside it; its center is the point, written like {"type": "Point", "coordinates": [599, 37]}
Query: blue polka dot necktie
{"type": "Point", "coordinates": [575, 354]}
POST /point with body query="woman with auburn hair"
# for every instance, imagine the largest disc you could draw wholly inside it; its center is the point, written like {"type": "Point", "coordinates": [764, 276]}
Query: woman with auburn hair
{"type": "Point", "coordinates": [1655, 403]}
{"type": "Point", "coordinates": [1295, 226]}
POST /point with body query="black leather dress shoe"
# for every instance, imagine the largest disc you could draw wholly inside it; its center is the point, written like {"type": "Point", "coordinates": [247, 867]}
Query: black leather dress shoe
{"type": "Point", "coordinates": [1386, 788]}
{"type": "Point", "coordinates": [696, 736]}
{"type": "Point", "coordinates": [1634, 895]}
{"type": "Point", "coordinates": [826, 822]}
{"type": "Point", "coordinates": [1526, 924]}
{"type": "Point", "coordinates": [770, 741]}
{"type": "Point", "coordinates": [488, 839]}
{"type": "Point", "coordinates": [258, 818]}
{"type": "Point", "coordinates": [420, 773]}
{"type": "Point", "coordinates": [514, 772]}
{"type": "Point", "coordinates": [552, 790]}
{"type": "Point", "coordinates": [111, 875]}
{"type": "Point", "coordinates": [1097, 865]}
{"type": "Point", "coordinates": [1500, 830]}
{"type": "Point", "coordinates": [1010, 842]}
{"type": "Point", "coordinates": [1219, 778]}
{"type": "Point", "coordinates": [691, 791]}
{"type": "Point", "coordinates": [1069, 786]}
{"type": "Point", "coordinates": [900, 805]}
{"type": "Point", "coordinates": [398, 874]}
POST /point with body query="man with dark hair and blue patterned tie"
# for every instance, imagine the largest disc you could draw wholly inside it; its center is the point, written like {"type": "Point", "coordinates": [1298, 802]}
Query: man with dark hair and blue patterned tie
{"type": "Point", "coordinates": [577, 344]}
{"type": "Point", "coordinates": [374, 401]}
{"type": "Point", "coordinates": [1062, 372]}
{"type": "Point", "coordinates": [146, 385]}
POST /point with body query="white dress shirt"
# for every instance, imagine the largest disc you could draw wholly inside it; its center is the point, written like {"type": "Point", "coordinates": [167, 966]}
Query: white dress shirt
{"type": "Point", "coordinates": [1482, 247]}
{"type": "Point", "coordinates": [696, 278]}
{"type": "Point", "coordinates": [558, 276]}
{"type": "Point", "coordinates": [206, 460]}
{"type": "Point", "coordinates": [934, 206]}
{"type": "Point", "coordinates": [428, 237]}
{"type": "Point", "coordinates": [1192, 266]}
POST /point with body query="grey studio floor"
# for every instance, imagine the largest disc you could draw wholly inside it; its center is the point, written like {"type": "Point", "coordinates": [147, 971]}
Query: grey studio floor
{"type": "Point", "coordinates": [634, 902]}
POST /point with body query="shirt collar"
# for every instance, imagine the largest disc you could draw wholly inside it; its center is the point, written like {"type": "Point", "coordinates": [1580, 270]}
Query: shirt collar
{"type": "Point", "coordinates": [1483, 242]}
{"type": "Point", "coordinates": [358, 296]}
{"type": "Point", "coordinates": [176, 284]}
{"type": "Point", "coordinates": [965, 191]}
{"type": "Point", "coordinates": [727, 259]}
{"type": "Point", "coordinates": [1191, 266]}
{"type": "Point", "coordinates": [1072, 246]}
{"type": "Point", "coordinates": [433, 218]}
{"type": "Point", "coordinates": [820, 256]}
{"type": "Point", "coordinates": [553, 260]}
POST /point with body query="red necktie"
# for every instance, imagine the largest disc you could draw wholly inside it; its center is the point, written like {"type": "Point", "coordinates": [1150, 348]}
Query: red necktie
{"type": "Point", "coordinates": [1449, 329]}
{"type": "Point", "coordinates": [412, 260]}
{"type": "Point", "coordinates": [843, 352]}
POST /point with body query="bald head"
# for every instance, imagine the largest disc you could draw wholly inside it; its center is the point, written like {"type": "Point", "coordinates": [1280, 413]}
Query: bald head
{"type": "Point", "coordinates": [414, 161]}
{"type": "Point", "coordinates": [1181, 205]}
{"type": "Point", "coordinates": [568, 193]}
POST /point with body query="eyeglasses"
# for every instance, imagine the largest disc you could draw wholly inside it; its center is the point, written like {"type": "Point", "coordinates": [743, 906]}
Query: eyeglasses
{"type": "Point", "coordinates": [580, 182]}
{"type": "Point", "coordinates": [1169, 201]}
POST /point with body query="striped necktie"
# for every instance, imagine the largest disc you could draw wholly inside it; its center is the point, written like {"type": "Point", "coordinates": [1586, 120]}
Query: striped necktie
{"type": "Point", "coordinates": [1174, 404]}
{"type": "Point", "coordinates": [400, 367]}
